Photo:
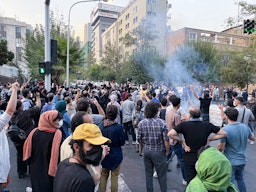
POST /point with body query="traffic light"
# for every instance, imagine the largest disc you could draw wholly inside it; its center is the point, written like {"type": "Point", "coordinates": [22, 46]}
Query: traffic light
{"type": "Point", "coordinates": [249, 26]}
{"type": "Point", "coordinates": [42, 67]}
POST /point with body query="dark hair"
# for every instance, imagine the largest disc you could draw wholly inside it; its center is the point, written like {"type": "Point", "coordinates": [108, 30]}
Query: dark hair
{"type": "Point", "coordinates": [82, 104]}
{"type": "Point", "coordinates": [153, 94]}
{"type": "Point", "coordinates": [19, 104]}
{"type": "Point", "coordinates": [151, 109]}
{"type": "Point", "coordinates": [240, 99]}
{"type": "Point", "coordinates": [163, 101]}
{"type": "Point", "coordinates": [195, 112]}
{"type": "Point", "coordinates": [172, 97]}
{"type": "Point", "coordinates": [25, 92]}
{"type": "Point", "coordinates": [111, 112]}
{"type": "Point", "coordinates": [79, 143]}
{"type": "Point", "coordinates": [234, 93]}
{"type": "Point", "coordinates": [77, 120]}
{"type": "Point", "coordinates": [176, 101]}
{"type": "Point", "coordinates": [231, 113]}
{"type": "Point", "coordinates": [50, 97]}
{"type": "Point", "coordinates": [59, 116]}
{"type": "Point", "coordinates": [128, 95]}
{"type": "Point", "coordinates": [206, 95]}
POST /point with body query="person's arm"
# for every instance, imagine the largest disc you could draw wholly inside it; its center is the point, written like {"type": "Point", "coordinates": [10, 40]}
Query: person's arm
{"type": "Point", "coordinates": [193, 91]}
{"type": "Point", "coordinates": [11, 106]}
{"type": "Point", "coordinates": [221, 111]}
{"type": "Point", "coordinates": [100, 110]}
{"type": "Point", "coordinates": [174, 135]}
{"type": "Point", "coordinates": [220, 134]}
{"type": "Point", "coordinates": [25, 84]}
{"type": "Point", "coordinates": [38, 100]}
{"type": "Point", "coordinates": [78, 91]}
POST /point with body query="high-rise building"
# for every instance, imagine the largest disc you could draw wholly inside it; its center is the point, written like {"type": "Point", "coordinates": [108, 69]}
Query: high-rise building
{"type": "Point", "coordinates": [103, 16]}
{"type": "Point", "coordinates": [15, 32]}
{"type": "Point", "coordinates": [141, 23]}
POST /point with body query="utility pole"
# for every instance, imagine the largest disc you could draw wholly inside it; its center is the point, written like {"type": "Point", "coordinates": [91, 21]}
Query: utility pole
{"type": "Point", "coordinates": [47, 48]}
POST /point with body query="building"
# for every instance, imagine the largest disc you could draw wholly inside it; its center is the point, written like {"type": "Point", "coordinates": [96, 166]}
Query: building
{"type": "Point", "coordinates": [15, 32]}
{"type": "Point", "coordinates": [140, 16]}
{"type": "Point", "coordinates": [87, 48]}
{"type": "Point", "coordinates": [102, 17]}
{"type": "Point", "coordinates": [231, 39]}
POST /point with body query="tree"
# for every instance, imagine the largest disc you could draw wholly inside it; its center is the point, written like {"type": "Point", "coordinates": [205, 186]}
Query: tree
{"type": "Point", "coordinates": [5, 55]}
{"type": "Point", "coordinates": [34, 51]}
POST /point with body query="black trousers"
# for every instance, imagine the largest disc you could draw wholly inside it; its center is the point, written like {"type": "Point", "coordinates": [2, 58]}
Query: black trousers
{"type": "Point", "coordinates": [21, 165]}
{"type": "Point", "coordinates": [189, 164]}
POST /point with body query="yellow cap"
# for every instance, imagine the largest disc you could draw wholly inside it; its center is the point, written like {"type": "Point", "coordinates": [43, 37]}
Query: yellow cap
{"type": "Point", "coordinates": [91, 133]}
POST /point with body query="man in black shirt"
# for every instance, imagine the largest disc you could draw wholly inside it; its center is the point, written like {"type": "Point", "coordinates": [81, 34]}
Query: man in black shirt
{"type": "Point", "coordinates": [196, 133]}
{"type": "Point", "coordinates": [72, 174]}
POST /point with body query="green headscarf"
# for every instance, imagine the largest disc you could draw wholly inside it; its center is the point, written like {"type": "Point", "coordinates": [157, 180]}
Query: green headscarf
{"type": "Point", "coordinates": [213, 173]}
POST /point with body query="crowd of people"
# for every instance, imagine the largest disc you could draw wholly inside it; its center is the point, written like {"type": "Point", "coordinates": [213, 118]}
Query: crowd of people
{"type": "Point", "coordinates": [74, 135]}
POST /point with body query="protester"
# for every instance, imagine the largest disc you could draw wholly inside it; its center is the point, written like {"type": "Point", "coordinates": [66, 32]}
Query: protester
{"type": "Point", "coordinates": [4, 147]}
{"type": "Point", "coordinates": [213, 172]}
{"type": "Point", "coordinates": [72, 174]}
{"type": "Point", "coordinates": [112, 162]}
{"type": "Point", "coordinates": [41, 151]}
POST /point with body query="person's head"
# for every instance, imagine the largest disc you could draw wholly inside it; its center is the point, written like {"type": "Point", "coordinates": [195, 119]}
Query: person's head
{"type": "Point", "coordinates": [172, 97]}
{"type": "Point", "coordinates": [194, 112]}
{"type": "Point", "coordinates": [151, 109]}
{"type": "Point", "coordinates": [206, 95]}
{"type": "Point", "coordinates": [128, 96]}
{"type": "Point", "coordinates": [251, 98]}
{"type": "Point", "coordinates": [61, 106]}
{"type": "Point", "coordinates": [231, 113]}
{"type": "Point", "coordinates": [83, 105]}
{"type": "Point", "coordinates": [50, 97]}
{"type": "Point", "coordinates": [154, 94]}
{"type": "Point", "coordinates": [239, 100]}
{"type": "Point", "coordinates": [213, 170]}
{"type": "Point", "coordinates": [111, 112]}
{"type": "Point", "coordinates": [176, 102]}
{"type": "Point", "coordinates": [234, 94]}
{"type": "Point", "coordinates": [19, 105]}
{"type": "Point", "coordinates": [26, 93]}
{"type": "Point", "coordinates": [86, 143]}
{"type": "Point", "coordinates": [50, 119]}
{"type": "Point", "coordinates": [139, 105]}
{"type": "Point", "coordinates": [79, 118]}
{"type": "Point", "coordinates": [163, 102]}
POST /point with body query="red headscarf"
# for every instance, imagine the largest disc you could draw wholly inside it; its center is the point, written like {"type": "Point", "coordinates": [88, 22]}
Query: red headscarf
{"type": "Point", "coordinates": [46, 124]}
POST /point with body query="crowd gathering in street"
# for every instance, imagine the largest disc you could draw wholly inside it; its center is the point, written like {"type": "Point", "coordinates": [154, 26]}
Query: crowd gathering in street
{"type": "Point", "coordinates": [70, 138]}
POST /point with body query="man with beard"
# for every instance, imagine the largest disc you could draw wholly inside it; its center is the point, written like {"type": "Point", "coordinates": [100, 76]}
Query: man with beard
{"type": "Point", "coordinates": [72, 174]}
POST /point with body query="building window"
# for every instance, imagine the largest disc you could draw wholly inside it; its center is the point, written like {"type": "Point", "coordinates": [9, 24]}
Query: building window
{"type": "Point", "coordinates": [127, 26]}
{"type": "Point", "coordinates": [150, 13]}
{"type": "Point", "coordinates": [18, 53]}
{"type": "Point", "coordinates": [120, 22]}
{"type": "Point", "coordinates": [135, 9]}
{"type": "Point", "coordinates": [120, 31]}
{"type": "Point", "coordinates": [152, 2]}
{"type": "Point", "coordinates": [18, 32]}
{"type": "Point", "coordinates": [135, 20]}
{"type": "Point", "coordinates": [3, 31]}
{"type": "Point", "coordinates": [192, 37]}
{"type": "Point", "coordinates": [127, 16]}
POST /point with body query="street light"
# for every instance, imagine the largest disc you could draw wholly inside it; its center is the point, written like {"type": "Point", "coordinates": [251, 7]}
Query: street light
{"type": "Point", "coordinates": [67, 62]}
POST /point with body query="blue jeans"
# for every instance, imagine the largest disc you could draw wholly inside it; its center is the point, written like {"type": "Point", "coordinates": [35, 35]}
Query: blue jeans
{"type": "Point", "coordinates": [238, 175]}
{"type": "Point", "coordinates": [179, 151]}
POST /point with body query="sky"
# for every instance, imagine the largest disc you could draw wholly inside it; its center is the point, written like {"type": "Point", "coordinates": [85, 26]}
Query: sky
{"type": "Point", "coordinates": [199, 14]}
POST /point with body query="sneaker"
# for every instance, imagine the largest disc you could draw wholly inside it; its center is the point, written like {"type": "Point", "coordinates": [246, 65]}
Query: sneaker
{"type": "Point", "coordinates": [184, 182]}
{"type": "Point", "coordinates": [155, 174]}
{"type": "Point", "coordinates": [134, 143]}
{"type": "Point", "coordinates": [127, 142]}
{"type": "Point", "coordinates": [252, 142]}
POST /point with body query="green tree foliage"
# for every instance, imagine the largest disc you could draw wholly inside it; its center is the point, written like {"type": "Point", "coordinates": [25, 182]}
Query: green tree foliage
{"type": "Point", "coordinates": [5, 55]}
{"type": "Point", "coordinates": [34, 51]}
{"type": "Point", "coordinates": [98, 73]}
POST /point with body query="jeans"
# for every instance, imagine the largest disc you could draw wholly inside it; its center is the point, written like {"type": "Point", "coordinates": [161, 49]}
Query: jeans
{"type": "Point", "coordinates": [238, 175]}
{"type": "Point", "coordinates": [179, 151]}
{"type": "Point", "coordinates": [114, 179]}
{"type": "Point", "coordinates": [128, 129]}
{"type": "Point", "coordinates": [252, 125]}
{"type": "Point", "coordinates": [157, 160]}
{"type": "Point", "coordinates": [205, 116]}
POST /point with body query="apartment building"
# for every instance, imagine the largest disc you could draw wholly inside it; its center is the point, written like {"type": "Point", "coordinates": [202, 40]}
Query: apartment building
{"type": "Point", "coordinates": [102, 17]}
{"type": "Point", "coordinates": [14, 32]}
{"type": "Point", "coordinates": [148, 15]}
{"type": "Point", "coordinates": [230, 39]}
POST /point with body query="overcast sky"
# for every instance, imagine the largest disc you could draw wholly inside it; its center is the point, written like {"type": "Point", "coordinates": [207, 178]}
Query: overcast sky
{"type": "Point", "coordinates": [200, 14]}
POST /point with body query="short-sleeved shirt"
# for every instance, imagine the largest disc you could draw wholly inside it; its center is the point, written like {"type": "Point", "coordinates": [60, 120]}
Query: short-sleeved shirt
{"type": "Point", "coordinates": [236, 142]}
{"type": "Point", "coordinates": [244, 115]}
{"type": "Point", "coordinates": [152, 132]}
{"type": "Point", "coordinates": [196, 132]}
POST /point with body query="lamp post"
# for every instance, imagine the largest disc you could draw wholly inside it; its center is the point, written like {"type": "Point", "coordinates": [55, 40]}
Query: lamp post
{"type": "Point", "coordinates": [68, 37]}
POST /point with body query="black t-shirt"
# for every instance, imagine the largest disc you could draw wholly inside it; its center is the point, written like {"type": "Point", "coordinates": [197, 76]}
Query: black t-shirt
{"type": "Point", "coordinates": [196, 133]}
{"type": "Point", "coordinates": [162, 114]}
{"type": "Point", "coordinates": [73, 177]}
{"type": "Point", "coordinates": [205, 104]}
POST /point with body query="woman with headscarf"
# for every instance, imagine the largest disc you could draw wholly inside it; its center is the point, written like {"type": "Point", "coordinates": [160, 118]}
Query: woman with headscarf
{"type": "Point", "coordinates": [41, 151]}
{"type": "Point", "coordinates": [113, 101]}
{"type": "Point", "coordinates": [213, 172]}
{"type": "Point", "coordinates": [60, 106]}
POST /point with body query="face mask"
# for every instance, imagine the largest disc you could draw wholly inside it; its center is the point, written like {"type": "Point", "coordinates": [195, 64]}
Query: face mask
{"type": "Point", "coordinates": [234, 103]}
{"type": "Point", "coordinates": [31, 95]}
{"type": "Point", "coordinates": [60, 123]}
{"type": "Point", "coordinates": [92, 156]}
{"type": "Point", "coordinates": [196, 165]}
